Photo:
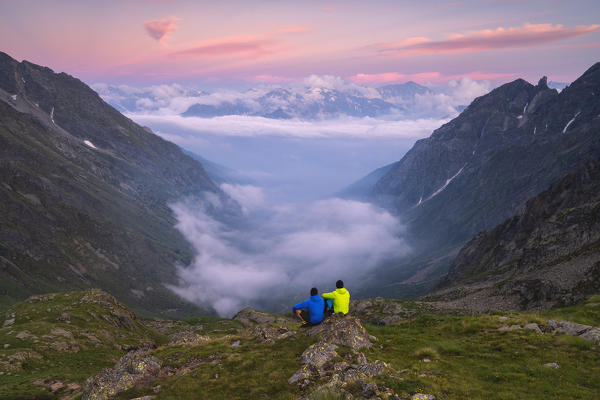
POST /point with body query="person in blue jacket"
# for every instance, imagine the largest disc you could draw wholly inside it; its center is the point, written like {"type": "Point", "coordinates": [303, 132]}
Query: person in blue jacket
{"type": "Point", "coordinates": [310, 312]}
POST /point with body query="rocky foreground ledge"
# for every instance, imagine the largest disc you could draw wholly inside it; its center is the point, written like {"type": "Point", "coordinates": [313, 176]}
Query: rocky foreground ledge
{"type": "Point", "coordinates": [322, 369]}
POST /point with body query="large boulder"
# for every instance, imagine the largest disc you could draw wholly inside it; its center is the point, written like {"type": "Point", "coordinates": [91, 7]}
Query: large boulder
{"type": "Point", "coordinates": [132, 368]}
{"type": "Point", "coordinates": [343, 330]}
{"type": "Point", "coordinates": [568, 328]}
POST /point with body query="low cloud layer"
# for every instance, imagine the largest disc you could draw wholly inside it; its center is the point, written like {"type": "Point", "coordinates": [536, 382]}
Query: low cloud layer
{"type": "Point", "coordinates": [179, 129]}
{"type": "Point", "coordinates": [282, 250]}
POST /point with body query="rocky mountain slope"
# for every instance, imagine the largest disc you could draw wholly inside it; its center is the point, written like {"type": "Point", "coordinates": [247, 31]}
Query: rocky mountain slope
{"type": "Point", "coordinates": [548, 254]}
{"type": "Point", "coordinates": [87, 345]}
{"type": "Point", "coordinates": [85, 194]}
{"type": "Point", "coordinates": [478, 169]}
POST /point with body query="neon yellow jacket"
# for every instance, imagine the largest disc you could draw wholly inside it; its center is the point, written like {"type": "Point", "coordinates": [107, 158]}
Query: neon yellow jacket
{"type": "Point", "coordinates": [341, 300]}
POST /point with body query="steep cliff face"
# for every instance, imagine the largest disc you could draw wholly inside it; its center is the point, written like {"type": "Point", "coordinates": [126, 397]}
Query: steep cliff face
{"type": "Point", "coordinates": [85, 194]}
{"type": "Point", "coordinates": [548, 254]}
{"type": "Point", "coordinates": [506, 147]}
{"type": "Point", "coordinates": [480, 168]}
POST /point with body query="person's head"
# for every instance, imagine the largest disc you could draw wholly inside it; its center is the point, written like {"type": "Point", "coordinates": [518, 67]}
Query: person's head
{"type": "Point", "coordinates": [314, 291]}
{"type": "Point", "coordinates": [339, 284]}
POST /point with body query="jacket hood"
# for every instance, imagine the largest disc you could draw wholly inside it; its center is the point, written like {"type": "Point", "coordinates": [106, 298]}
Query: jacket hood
{"type": "Point", "coordinates": [341, 290]}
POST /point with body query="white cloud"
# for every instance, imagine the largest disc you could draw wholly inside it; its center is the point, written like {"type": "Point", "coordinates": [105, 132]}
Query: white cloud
{"type": "Point", "coordinates": [445, 100]}
{"type": "Point", "coordinates": [249, 197]}
{"type": "Point", "coordinates": [283, 251]}
{"type": "Point", "coordinates": [171, 126]}
{"type": "Point", "coordinates": [339, 84]}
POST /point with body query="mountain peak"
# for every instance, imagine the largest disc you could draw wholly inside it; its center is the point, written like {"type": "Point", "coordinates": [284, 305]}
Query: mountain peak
{"type": "Point", "coordinates": [543, 83]}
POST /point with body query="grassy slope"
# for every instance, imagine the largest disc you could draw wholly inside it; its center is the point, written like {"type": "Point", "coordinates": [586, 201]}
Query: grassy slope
{"type": "Point", "coordinates": [470, 359]}
{"type": "Point", "coordinates": [98, 333]}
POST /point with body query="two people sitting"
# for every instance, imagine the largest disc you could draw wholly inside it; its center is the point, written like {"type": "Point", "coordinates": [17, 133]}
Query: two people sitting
{"type": "Point", "coordinates": [312, 311]}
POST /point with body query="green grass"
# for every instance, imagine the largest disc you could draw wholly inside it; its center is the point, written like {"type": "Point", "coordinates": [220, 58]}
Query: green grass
{"type": "Point", "coordinates": [252, 371]}
{"type": "Point", "coordinates": [478, 362]}
{"type": "Point", "coordinates": [100, 340]}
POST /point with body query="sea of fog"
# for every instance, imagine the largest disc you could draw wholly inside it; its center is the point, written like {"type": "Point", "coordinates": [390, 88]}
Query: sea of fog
{"type": "Point", "coordinates": [293, 233]}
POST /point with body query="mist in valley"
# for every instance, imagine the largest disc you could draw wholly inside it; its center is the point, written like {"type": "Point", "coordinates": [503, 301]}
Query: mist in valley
{"type": "Point", "coordinates": [293, 230]}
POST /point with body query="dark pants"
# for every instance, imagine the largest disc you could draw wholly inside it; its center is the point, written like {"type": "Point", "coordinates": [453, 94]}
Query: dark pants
{"type": "Point", "coordinates": [305, 315]}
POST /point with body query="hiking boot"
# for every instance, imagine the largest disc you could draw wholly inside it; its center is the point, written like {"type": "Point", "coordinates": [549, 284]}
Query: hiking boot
{"type": "Point", "coordinates": [304, 324]}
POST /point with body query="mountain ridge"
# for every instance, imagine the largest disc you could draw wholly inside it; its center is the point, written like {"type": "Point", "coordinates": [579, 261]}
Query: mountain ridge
{"type": "Point", "coordinates": [478, 169]}
{"type": "Point", "coordinates": [86, 195]}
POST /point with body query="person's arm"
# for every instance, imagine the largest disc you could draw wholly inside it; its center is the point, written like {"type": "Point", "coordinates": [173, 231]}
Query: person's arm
{"type": "Point", "coordinates": [300, 306]}
{"type": "Point", "coordinates": [330, 295]}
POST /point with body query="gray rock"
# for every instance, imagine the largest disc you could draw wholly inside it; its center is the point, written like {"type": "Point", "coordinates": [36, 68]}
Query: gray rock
{"type": "Point", "coordinates": [361, 359]}
{"type": "Point", "coordinates": [369, 389]}
{"type": "Point", "coordinates": [270, 334]}
{"type": "Point", "coordinates": [502, 319]}
{"type": "Point", "coordinates": [132, 368]}
{"type": "Point", "coordinates": [303, 375]}
{"type": "Point", "coordinates": [534, 327]}
{"type": "Point", "coordinates": [343, 330]}
{"type": "Point", "coordinates": [188, 338]}
{"type": "Point", "coordinates": [510, 328]}
{"type": "Point", "coordinates": [422, 396]}
{"type": "Point", "coordinates": [61, 332]}
{"type": "Point", "coordinates": [236, 344]}
{"type": "Point", "coordinates": [64, 317]}
{"type": "Point", "coordinates": [593, 335]}
{"type": "Point", "coordinates": [249, 316]}
{"type": "Point", "coordinates": [354, 375]}
{"type": "Point", "coordinates": [552, 365]}
{"type": "Point", "coordinates": [318, 354]}
{"type": "Point", "coordinates": [374, 368]}
{"type": "Point", "coordinates": [571, 328]}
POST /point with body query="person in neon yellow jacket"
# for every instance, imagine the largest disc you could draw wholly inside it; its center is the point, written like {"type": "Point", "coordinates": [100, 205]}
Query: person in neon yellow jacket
{"type": "Point", "coordinates": [340, 298]}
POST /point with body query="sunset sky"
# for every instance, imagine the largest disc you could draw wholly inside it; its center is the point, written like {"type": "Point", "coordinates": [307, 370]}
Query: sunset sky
{"type": "Point", "coordinates": [234, 42]}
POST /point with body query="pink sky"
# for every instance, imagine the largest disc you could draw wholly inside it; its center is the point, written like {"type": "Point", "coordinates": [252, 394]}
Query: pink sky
{"type": "Point", "coordinates": [229, 42]}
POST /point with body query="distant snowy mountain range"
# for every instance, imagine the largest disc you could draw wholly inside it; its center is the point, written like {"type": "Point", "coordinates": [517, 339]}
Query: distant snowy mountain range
{"type": "Point", "coordinates": [317, 99]}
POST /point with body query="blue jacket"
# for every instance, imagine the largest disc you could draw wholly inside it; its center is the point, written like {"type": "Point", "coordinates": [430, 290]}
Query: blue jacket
{"type": "Point", "coordinates": [315, 306]}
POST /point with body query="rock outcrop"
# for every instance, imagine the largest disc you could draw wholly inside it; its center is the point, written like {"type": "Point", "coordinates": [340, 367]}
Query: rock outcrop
{"type": "Point", "coordinates": [585, 332]}
{"type": "Point", "coordinates": [342, 330]}
{"type": "Point", "coordinates": [131, 369]}
{"type": "Point", "coordinates": [322, 369]}
{"type": "Point", "coordinates": [250, 316]}
{"type": "Point", "coordinates": [270, 334]}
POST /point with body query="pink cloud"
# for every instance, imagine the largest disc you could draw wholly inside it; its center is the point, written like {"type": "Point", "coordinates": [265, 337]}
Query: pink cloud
{"type": "Point", "coordinates": [527, 35]}
{"type": "Point", "coordinates": [242, 47]}
{"type": "Point", "coordinates": [389, 77]}
{"type": "Point", "coordinates": [271, 78]}
{"type": "Point", "coordinates": [159, 29]}
{"type": "Point", "coordinates": [328, 10]}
